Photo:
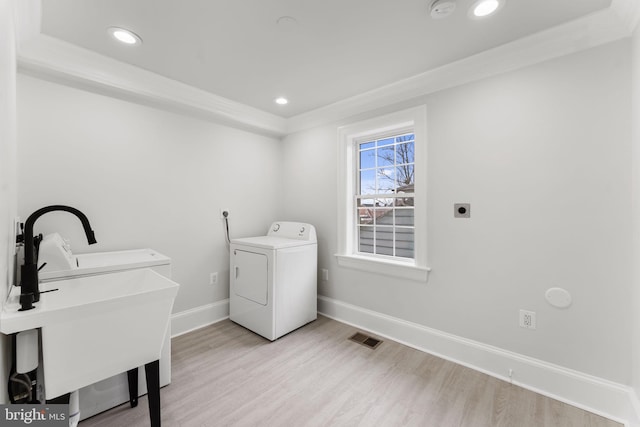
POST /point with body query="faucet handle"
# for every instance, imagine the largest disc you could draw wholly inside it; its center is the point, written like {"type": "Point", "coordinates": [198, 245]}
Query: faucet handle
{"type": "Point", "coordinates": [26, 301]}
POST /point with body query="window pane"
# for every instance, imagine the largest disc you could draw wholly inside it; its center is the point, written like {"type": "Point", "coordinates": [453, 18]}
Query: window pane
{"type": "Point", "coordinates": [386, 156]}
{"type": "Point", "coordinates": [370, 144]}
{"type": "Point", "coordinates": [385, 224]}
{"type": "Point", "coordinates": [386, 141]}
{"type": "Point", "coordinates": [367, 159]}
{"type": "Point", "coordinates": [367, 182]}
{"type": "Point", "coordinates": [384, 241]}
{"type": "Point", "coordinates": [384, 217]}
{"type": "Point", "coordinates": [406, 178]}
{"type": "Point", "coordinates": [365, 211]}
{"type": "Point", "coordinates": [386, 180]}
{"type": "Point", "coordinates": [386, 202]}
{"type": "Point", "coordinates": [405, 138]}
{"type": "Point", "coordinates": [404, 217]}
{"type": "Point", "coordinates": [405, 242]}
{"type": "Point", "coordinates": [405, 153]}
{"type": "Point", "coordinates": [365, 239]}
{"type": "Point", "coordinates": [404, 201]}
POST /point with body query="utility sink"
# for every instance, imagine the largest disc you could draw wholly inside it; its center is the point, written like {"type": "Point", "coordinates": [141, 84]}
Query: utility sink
{"type": "Point", "coordinates": [56, 261]}
{"type": "Point", "coordinates": [94, 327]}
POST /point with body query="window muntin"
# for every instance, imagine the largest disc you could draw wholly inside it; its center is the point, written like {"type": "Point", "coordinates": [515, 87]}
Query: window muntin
{"type": "Point", "coordinates": [384, 195]}
{"type": "Point", "coordinates": [412, 120]}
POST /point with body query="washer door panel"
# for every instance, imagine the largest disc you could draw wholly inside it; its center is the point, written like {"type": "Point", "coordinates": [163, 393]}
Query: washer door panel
{"type": "Point", "coordinates": [251, 275]}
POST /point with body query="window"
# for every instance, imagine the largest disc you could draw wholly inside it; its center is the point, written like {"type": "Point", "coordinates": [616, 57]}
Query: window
{"type": "Point", "coordinates": [382, 195]}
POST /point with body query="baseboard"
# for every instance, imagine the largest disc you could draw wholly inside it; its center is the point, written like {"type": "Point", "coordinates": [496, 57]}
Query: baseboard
{"type": "Point", "coordinates": [199, 317]}
{"type": "Point", "coordinates": [600, 396]}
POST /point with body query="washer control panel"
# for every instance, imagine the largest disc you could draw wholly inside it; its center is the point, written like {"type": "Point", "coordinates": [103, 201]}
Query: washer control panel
{"type": "Point", "coordinates": [293, 230]}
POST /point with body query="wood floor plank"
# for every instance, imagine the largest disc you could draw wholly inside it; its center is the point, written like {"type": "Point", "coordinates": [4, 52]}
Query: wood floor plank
{"type": "Point", "coordinates": [225, 375]}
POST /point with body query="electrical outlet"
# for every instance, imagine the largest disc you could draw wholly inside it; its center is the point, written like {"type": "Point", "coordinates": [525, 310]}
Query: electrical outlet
{"type": "Point", "coordinates": [224, 213]}
{"type": "Point", "coordinates": [325, 274]}
{"type": "Point", "coordinates": [462, 210]}
{"type": "Point", "coordinates": [213, 278]}
{"type": "Point", "coordinates": [527, 319]}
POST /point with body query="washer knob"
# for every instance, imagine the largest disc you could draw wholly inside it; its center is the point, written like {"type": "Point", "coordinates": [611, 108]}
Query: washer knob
{"type": "Point", "coordinates": [302, 229]}
{"type": "Point", "coordinates": [276, 227]}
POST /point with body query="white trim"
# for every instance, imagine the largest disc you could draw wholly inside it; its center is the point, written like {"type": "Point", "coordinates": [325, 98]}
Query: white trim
{"type": "Point", "coordinates": [385, 267]}
{"type": "Point", "coordinates": [584, 33]}
{"type": "Point", "coordinates": [199, 317]}
{"type": "Point", "coordinates": [28, 19]}
{"type": "Point", "coordinates": [628, 11]}
{"type": "Point", "coordinates": [416, 119]}
{"type": "Point", "coordinates": [52, 59]}
{"type": "Point", "coordinates": [594, 394]}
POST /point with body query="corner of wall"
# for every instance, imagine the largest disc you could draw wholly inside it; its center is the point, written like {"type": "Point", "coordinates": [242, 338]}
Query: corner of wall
{"type": "Point", "coordinates": [635, 150]}
{"type": "Point", "coordinates": [8, 198]}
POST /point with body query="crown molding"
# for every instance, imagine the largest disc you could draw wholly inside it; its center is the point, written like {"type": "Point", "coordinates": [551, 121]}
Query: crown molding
{"type": "Point", "coordinates": [55, 60]}
{"type": "Point", "coordinates": [52, 59]}
{"type": "Point", "coordinates": [628, 11]}
{"type": "Point", "coordinates": [27, 14]}
{"type": "Point", "coordinates": [586, 32]}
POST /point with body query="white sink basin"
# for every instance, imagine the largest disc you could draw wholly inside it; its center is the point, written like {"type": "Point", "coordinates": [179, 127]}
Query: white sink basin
{"type": "Point", "coordinates": [95, 327]}
{"type": "Point", "coordinates": [102, 262]}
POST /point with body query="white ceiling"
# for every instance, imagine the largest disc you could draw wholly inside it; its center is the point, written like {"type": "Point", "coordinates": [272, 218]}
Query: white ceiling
{"type": "Point", "coordinates": [337, 49]}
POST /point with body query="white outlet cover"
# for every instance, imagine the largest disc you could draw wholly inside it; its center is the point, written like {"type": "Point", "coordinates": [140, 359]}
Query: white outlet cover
{"type": "Point", "coordinates": [558, 297]}
{"type": "Point", "coordinates": [527, 319]}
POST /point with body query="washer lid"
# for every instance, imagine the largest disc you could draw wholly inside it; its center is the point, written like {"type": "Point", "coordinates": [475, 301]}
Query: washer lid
{"type": "Point", "coordinates": [271, 242]}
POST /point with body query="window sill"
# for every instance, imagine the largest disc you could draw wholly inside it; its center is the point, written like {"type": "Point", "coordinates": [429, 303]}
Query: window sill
{"type": "Point", "coordinates": [380, 266]}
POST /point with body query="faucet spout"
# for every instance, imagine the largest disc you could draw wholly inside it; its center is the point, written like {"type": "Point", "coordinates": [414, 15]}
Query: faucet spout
{"type": "Point", "coordinates": [30, 291]}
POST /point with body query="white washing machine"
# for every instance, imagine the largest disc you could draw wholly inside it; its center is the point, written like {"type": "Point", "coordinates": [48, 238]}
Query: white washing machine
{"type": "Point", "coordinates": [273, 283]}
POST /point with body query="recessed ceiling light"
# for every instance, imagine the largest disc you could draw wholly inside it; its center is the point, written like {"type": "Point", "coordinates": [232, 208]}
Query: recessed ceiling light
{"type": "Point", "coordinates": [483, 8]}
{"type": "Point", "coordinates": [281, 100]}
{"type": "Point", "coordinates": [124, 36]}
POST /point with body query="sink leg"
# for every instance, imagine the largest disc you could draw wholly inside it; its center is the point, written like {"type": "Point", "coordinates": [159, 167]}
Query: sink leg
{"type": "Point", "coordinates": [152, 370]}
{"type": "Point", "coordinates": [132, 377]}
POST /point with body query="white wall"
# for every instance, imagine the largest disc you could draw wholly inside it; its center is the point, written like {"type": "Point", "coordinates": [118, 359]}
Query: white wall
{"type": "Point", "coordinates": [145, 178]}
{"type": "Point", "coordinates": [7, 165]}
{"type": "Point", "coordinates": [543, 156]}
{"type": "Point", "coordinates": [635, 295]}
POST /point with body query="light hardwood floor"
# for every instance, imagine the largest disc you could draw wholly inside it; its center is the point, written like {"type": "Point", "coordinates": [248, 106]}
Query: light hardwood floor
{"type": "Point", "coordinates": [225, 375]}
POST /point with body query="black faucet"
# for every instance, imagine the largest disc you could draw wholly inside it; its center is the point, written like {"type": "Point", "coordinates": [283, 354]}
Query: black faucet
{"type": "Point", "coordinates": [30, 291]}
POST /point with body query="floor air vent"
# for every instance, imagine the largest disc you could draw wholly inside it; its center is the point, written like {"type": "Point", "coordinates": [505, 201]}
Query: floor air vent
{"type": "Point", "coordinates": [365, 340]}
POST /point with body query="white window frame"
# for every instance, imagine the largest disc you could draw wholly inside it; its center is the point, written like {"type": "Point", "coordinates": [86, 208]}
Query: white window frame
{"type": "Point", "coordinates": [348, 137]}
